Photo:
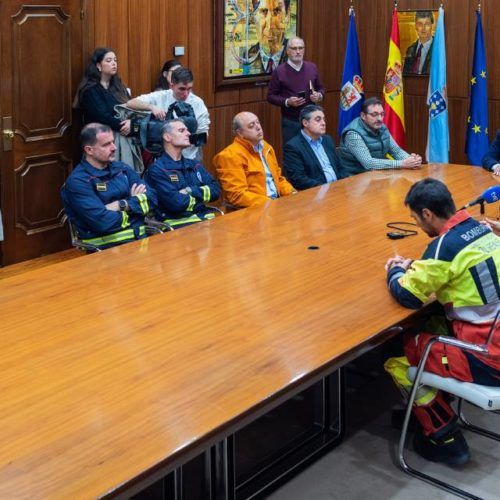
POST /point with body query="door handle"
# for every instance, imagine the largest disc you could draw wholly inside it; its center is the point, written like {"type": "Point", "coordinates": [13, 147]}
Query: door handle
{"type": "Point", "coordinates": [7, 133]}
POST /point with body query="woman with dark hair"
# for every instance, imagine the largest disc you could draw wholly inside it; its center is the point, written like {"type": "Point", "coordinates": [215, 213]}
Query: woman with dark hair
{"type": "Point", "coordinates": [101, 90]}
{"type": "Point", "coordinates": [166, 72]}
{"type": "Point", "coordinates": [98, 93]}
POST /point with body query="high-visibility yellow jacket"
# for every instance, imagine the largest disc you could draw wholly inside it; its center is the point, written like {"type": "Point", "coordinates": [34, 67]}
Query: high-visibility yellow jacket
{"type": "Point", "coordinates": [461, 267]}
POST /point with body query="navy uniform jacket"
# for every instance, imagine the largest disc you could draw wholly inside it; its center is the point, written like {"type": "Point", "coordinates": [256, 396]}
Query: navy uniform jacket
{"type": "Point", "coordinates": [167, 177]}
{"type": "Point", "coordinates": [493, 156]}
{"type": "Point", "coordinates": [302, 167]}
{"type": "Point", "coordinates": [85, 194]}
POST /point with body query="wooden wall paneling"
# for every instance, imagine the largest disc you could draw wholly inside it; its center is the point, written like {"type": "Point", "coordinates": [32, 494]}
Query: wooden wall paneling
{"type": "Point", "coordinates": [459, 47]}
{"type": "Point", "coordinates": [143, 47]}
{"type": "Point", "coordinates": [201, 47]}
{"type": "Point", "coordinates": [491, 26]}
{"type": "Point", "coordinates": [416, 113]}
{"type": "Point", "coordinates": [226, 97]}
{"type": "Point", "coordinates": [112, 30]}
{"type": "Point", "coordinates": [253, 94]}
{"type": "Point", "coordinates": [318, 27]}
{"type": "Point", "coordinates": [331, 107]}
{"type": "Point", "coordinates": [173, 31]}
{"type": "Point", "coordinates": [458, 110]}
{"type": "Point", "coordinates": [373, 26]}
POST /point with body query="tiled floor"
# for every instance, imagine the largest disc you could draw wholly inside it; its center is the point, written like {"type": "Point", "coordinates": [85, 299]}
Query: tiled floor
{"type": "Point", "coordinates": [363, 467]}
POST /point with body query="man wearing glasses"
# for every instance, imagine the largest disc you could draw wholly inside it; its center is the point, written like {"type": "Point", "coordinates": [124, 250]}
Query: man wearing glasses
{"type": "Point", "coordinates": [294, 84]}
{"type": "Point", "coordinates": [366, 143]}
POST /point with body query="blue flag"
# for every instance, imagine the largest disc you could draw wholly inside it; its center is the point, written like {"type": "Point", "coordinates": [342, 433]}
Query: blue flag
{"type": "Point", "coordinates": [438, 139]}
{"type": "Point", "coordinates": [476, 143]}
{"type": "Point", "coordinates": [352, 92]}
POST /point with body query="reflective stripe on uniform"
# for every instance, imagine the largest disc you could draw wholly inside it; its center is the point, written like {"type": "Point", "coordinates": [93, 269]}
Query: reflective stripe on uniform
{"type": "Point", "coordinates": [127, 234]}
{"type": "Point", "coordinates": [143, 201]}
{"type": "Point", "coordinates": [192, 202]}
{"type": "Point", "coordinates": [397, 368]}
{"type": "Point", "coordinates": [124, 219]}
{"type": "Point", "coordinates": [183, 220]}
{"type": "Point", "coordinates": [206, 193]}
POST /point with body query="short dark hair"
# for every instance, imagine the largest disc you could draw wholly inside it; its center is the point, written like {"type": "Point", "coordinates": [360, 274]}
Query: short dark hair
{"type": "Point", "coordinates": [433, 195]}
{"type": "Point", "coordinates": [307, 111]}
{"type": "Point", "coordinates": [182, 75]}
{"type": "Point", "coordinates": [88, 135]}
{"type": "Point", "coordinates": [371, 101]}
{"type": "Point", "coordinates": [424, 14]}
{"type": "Point", "coordinates": [162, 83]}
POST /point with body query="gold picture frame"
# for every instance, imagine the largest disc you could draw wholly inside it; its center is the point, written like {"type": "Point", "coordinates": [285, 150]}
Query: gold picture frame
{"type": "Point", "coordinates": [250, 38]}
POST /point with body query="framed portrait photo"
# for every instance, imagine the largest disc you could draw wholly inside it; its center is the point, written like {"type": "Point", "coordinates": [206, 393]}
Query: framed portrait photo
{"type": "Point", "coordinates": [416, 32]}
{"type": "Point", "coordinates": [250, 38]}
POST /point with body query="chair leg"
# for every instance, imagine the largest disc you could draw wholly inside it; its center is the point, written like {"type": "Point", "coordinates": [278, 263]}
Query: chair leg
{"type": "Point", "coordinates": [474, 428]}
{"type": "Point", "coordinates": [402, 441]}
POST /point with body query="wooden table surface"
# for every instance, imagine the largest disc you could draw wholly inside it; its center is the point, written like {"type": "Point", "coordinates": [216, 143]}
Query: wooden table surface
{"type": "Point", "coordinates": [121, 361]}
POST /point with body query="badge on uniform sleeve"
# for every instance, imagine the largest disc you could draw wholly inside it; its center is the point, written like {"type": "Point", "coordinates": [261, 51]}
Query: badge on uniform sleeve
{"type": "Point", "coordinates": [101, 186]}
{"type": "Point", "coordinates": [198, 175]}
{"type": "Point", "coordinates": [174, 177]}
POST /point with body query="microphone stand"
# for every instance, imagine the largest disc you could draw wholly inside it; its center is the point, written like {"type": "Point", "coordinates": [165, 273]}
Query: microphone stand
{"type": "Point", "coordinates": [481, 209]}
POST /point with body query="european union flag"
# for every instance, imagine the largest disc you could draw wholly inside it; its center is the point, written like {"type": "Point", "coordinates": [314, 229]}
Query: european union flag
{"type": "Point", "coordinates": [438, 139]}
{"type": "Point", "coordinates": [476, 143]}
{"type": "Point", "coordinates": [352, 93]}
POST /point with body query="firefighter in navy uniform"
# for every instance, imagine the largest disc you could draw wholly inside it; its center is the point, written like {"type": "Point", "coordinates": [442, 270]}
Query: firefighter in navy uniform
{"type": "Point", "coordinates": [461, 266]}
{"type": "Point", "coordinates": [106, 200]}
{"type": "Point", "coordinates": [182, 186]}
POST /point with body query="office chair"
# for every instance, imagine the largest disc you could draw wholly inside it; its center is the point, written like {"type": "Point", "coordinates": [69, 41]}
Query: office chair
{"type": "Point", "coordinates": [485, 397]}
{"type": "Point", "coordinates": [76, 241]}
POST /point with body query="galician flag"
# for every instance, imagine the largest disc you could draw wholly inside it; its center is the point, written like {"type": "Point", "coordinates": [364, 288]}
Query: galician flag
{"type": "Point", "coordinates": [352, 93]}
{"type": "Point", "coordinates": [476, 143]}
{"type": "Point", "coordinates": [438, 138]}
{"type": "Point", "coordinates": [393, 87]}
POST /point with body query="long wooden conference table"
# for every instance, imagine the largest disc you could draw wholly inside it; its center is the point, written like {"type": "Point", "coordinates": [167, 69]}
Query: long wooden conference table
{"type": "Point", "coordinates": [120, 366]}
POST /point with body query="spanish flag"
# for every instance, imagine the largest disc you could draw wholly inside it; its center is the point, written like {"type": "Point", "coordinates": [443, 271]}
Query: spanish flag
{"type": "Point", "coordinates": [393, 87]}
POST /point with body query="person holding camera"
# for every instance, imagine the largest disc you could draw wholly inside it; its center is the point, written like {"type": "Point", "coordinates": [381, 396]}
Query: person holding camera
{"type": "Point", "coordinates": [182, 185]}
{"type": "Point", "coordinates": [158, 103]}
{"type": "Point", "coordinates": [294, 84]}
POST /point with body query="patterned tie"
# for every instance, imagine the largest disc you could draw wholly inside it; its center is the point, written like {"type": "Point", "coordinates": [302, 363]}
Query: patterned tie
{"type": "Point", "coordinates": [416, 63]}
{"type": "Point", "coordinates": [270, 65]}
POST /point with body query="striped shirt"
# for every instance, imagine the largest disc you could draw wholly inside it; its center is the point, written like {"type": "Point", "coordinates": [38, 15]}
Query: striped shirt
{"type": "Point", "coordinates": [355, 143]}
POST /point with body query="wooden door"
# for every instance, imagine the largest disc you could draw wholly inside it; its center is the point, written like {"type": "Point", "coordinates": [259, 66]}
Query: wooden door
{"type": "Point", "coordinates": [40, 66]}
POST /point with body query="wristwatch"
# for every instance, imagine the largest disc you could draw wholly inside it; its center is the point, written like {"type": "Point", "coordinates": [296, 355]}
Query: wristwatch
{"type": "Point", "coordinates": [123, 204]}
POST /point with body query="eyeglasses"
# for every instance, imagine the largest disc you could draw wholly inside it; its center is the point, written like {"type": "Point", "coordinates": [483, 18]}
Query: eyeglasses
{"type": "Point", "coordinates": [376, 115]}
{"type": "Point", "coordinates": [296, 48]}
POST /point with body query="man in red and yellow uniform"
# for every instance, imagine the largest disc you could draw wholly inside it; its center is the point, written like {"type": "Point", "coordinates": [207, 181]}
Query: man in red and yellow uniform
{"type": "Point", "coordinates": [248, 169]}
{"type": "Point", "coordinates": [461, 267]}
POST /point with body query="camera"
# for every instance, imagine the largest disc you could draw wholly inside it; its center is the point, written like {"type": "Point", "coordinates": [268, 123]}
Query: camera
{"type": "Point", "coordinates": [148, 129]}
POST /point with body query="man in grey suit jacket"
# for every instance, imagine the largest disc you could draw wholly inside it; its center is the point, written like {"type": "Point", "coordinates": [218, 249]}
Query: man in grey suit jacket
{"type": "Point", "coordinates": [309, 157]}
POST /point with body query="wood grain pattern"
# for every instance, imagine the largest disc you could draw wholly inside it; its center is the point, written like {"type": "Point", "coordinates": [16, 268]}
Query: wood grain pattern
{"type": "Point", "coordinates": [127, 359]}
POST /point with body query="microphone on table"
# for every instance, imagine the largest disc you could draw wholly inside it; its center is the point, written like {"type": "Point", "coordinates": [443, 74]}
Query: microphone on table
{"type": "Point", "coordinates": [491, 195]}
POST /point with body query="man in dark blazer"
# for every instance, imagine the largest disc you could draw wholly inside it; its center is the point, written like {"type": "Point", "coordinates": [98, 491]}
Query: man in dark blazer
{"type": "Point", "coordinates": [491, 160]}
{"type": "Point", "coordinates": [309, 157]}
{"type": "Point", "coordinates": [418, 54]}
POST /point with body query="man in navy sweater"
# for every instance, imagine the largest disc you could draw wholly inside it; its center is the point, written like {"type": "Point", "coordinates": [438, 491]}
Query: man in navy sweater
{"type": "Point", "coordinates": [294, 84]}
